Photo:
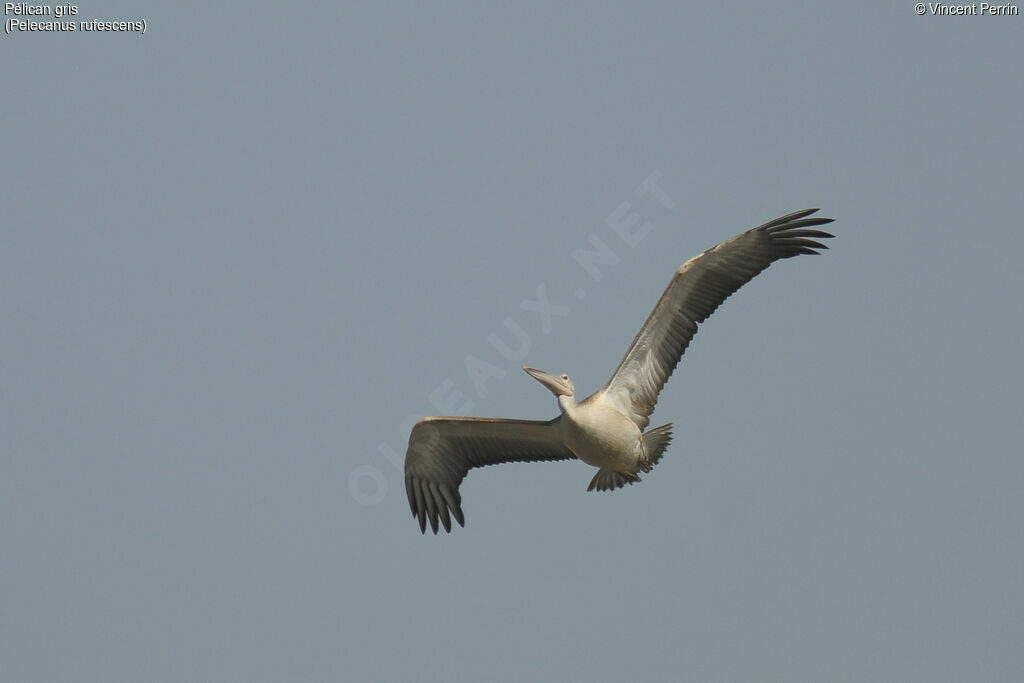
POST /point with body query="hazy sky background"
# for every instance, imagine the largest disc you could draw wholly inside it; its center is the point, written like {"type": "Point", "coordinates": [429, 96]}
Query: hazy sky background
{"type": "Point", "coordinates": [239, 251]}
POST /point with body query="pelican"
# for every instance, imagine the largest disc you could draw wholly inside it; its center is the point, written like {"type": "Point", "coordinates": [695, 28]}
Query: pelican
{"type": "Point", "coordinates": [606, 429]}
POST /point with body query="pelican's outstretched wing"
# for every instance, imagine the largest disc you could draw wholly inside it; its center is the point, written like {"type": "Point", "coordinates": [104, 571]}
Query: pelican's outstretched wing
{"type": "Point", "coordinates": [443, 449]}
{"type": "Point", "coordinates": [697, 289]}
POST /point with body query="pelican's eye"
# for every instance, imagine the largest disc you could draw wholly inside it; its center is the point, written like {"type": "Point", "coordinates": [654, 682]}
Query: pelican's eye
{"type": "Point", "coordinates": [565, 376]}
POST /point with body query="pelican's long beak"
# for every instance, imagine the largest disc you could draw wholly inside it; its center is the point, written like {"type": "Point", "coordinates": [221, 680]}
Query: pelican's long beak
{"type": "Point", "coordinates": [557, 385]}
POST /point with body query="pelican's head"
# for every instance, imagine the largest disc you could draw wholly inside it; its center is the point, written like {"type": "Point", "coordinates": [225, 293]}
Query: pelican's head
{"type": "Point", "coordinates": [559, 385]}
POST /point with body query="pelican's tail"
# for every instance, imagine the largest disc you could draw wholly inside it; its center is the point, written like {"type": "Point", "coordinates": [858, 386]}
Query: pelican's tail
{"type": "Point", "coordinates": [655, 442]}
{"type": "Point", "coordinates": [609, 480]}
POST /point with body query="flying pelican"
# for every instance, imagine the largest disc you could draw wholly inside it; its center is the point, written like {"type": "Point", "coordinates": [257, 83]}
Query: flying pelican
{"type": "Point", "coordinates": [606, 429]}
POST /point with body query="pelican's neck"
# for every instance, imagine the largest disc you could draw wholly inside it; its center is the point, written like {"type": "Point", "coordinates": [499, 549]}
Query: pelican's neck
{"type": "Point", "coordinates": [567, 404]}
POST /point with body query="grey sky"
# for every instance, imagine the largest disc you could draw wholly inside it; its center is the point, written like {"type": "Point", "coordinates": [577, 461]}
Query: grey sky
{"type": "Point", "coordinates": [238, 251]}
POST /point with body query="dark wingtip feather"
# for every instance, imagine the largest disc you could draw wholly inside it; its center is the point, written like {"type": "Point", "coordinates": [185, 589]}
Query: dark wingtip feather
{"type": "Point", "coordinates": [446, 519]}
{"type": "Point", "coordinates": [410, 496]}
{"type": "Point", "coordinates": [792, 226]}
{"type": "Point", "coordinates": [788, 218]}
{"type": "Point", "coordinates": [791, 234]}
{"type": "Point", "coordinates": [420, 510]}
{"type": "Point", "coordinates": [808, 233]}
{"type": "Point", "coordinates": [796, 215]}
{"type": "Point", "coordinates": [432, 513]}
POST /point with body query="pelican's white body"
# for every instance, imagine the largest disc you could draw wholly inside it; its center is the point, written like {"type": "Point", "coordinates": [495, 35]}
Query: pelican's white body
{"type": "Point", "coordinates": [600, 434]}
